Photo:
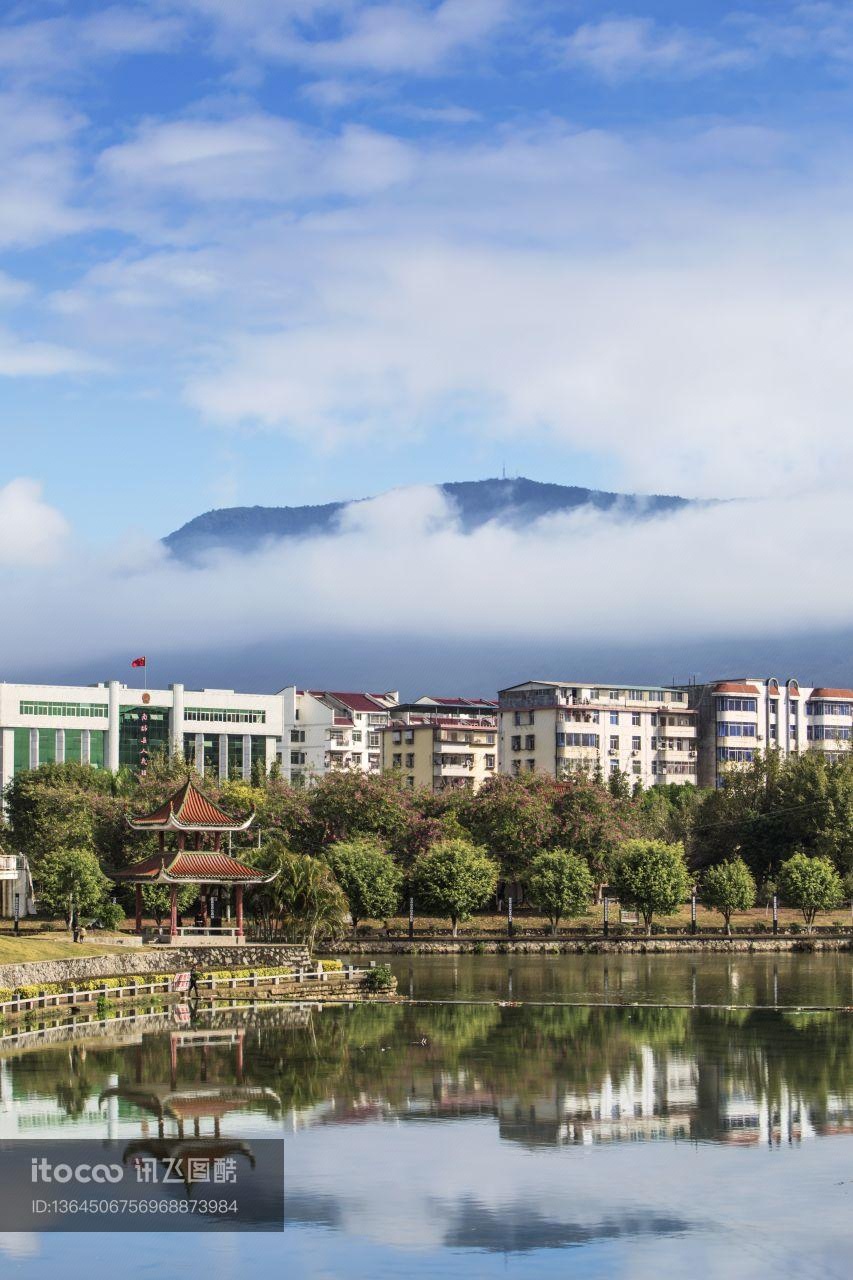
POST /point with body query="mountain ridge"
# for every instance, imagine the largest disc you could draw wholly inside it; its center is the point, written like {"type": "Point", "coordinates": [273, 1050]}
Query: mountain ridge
{"type": "Point", "coordinates": [517, 501]}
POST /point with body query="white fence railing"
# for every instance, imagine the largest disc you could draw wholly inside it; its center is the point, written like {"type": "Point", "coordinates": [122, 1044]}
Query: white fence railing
{"type": "Point", "coordinates": [166, 986]}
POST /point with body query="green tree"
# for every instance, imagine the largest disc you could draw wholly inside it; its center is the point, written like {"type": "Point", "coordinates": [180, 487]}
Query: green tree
{"type": "Point", "coordinates": [811, 884]}
{"type": "Point", "coordinates": [453, 878]}
{"type": "Point", "coordinates": [560, 884]}
{"type": "Point", "coordinates": [512, 817]}
{"type": "Point", "coordinates": [368, 876]}
{"type": "Point", "coordinates": [729, 887]}
{"type": "Point", "coordinates": [653, 875]}
{"type": "Point", "coordinates": [349, 803]}
{"type": "Point", "coordinates": [304, 903]}
{"type": "Point", "coordinates": [70, 880]}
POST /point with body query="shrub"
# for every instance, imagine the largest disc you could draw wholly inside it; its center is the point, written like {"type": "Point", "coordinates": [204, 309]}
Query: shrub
{"type": "Point", "coordinates": [380, 978]}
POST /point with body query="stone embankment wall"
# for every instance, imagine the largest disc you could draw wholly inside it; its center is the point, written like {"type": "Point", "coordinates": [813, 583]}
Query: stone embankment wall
{"type": "Point", "coordinates": [157, 960]}
{"type": "Point", "coordinates": [595, 946]}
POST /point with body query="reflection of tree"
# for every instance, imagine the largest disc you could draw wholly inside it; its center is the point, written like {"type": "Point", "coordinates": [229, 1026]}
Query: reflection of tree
{"type": "Point", "coordinates": [414, 1058]}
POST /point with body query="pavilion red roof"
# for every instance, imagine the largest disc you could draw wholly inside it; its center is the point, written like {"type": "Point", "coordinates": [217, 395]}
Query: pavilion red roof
{"type": "Point", "coordinates": [192, 867]}
{"type": "Point", "coordinates": [188, 810]}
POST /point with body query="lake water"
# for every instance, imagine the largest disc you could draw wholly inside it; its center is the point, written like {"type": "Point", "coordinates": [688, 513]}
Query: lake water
{"type": "Point", "coordinates": [645, 1116]}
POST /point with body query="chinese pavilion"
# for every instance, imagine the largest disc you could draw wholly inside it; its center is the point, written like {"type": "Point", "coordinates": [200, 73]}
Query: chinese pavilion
{"type": "Point", "coordinates": [194, 820]}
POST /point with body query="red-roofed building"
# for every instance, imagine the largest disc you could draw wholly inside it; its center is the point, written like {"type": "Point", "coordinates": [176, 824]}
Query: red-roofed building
{"type": "Point", "coordinates": [330, 730]}
{"type": "Point", "coordinates": [740, 716]}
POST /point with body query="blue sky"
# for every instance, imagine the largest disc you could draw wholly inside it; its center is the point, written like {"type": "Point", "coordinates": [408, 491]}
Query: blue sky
{"type": "Point", "coordinates": [287, 251]}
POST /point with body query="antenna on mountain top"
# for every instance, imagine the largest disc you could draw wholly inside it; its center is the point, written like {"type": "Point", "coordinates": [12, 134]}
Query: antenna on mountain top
{"type": "Point", "coordinates": [503, 472]}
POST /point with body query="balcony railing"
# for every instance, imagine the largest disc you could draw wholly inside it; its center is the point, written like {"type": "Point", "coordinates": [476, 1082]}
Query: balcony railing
{"type": "Point", "coordinates": [11, 866]}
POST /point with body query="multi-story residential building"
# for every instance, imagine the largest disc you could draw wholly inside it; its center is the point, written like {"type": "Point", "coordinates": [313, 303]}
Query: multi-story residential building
{"type": "Point", "coordinates": [450, 708]}
{"type": "Point", "coordinates": [324, 731]}
{"type": "Point", "coordinates": [111, 724]}
{"type": "Point", "coordinates": [558, 726]}
{"type": "Point", "coordinates": [741, 715]}
{"type": "Point", "coordinates": [441, 751]}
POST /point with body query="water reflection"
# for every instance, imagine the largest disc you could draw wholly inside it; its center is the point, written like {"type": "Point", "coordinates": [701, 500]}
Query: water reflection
{"type": "Point", "coordinates": [467, 1139]}
{"type": "Point", "coordinates": [542, 1074]}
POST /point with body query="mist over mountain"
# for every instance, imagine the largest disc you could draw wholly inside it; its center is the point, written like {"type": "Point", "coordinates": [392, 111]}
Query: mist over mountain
{"type": "Point", "coordinates": [475, 666]}
{"type": "Point", "coordinates": [517, 502]}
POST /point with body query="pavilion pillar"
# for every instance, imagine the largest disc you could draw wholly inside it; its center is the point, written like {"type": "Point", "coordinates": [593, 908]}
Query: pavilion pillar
{"type": "Point", "coordinates": [182, 840]}
{"type": "Point", "coordinates": [217, 841]}
{"type": "Point", "coordinates": [238, 902]}
{"type": "Point", "coordinates": [139, 908]}
{"type": "Point", "coordinates": [161, 841]}
{"type": "Point", "coordinates": [173, 922]}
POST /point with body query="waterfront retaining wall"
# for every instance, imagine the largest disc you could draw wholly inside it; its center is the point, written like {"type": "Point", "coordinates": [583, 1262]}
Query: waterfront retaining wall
{"type": "Point", "coordinates": [141, 961]}
{"type": "Point", "coordinates": [593, 946]}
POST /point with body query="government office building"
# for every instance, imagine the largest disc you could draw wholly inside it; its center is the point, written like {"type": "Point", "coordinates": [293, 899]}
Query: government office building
{"type": "Point", "coordinates": [111, 725]}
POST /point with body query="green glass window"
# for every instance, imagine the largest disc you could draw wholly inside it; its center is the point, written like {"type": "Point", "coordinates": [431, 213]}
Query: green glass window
{"type": "Point", "coordinates": [28, 707]}
{"type": "Point", "coordinates": [73, 745]}
{"type": "Point", "coordinates": [259, 751]}
{"type": "Point", "coordinates": [22, 749]}
{"type": "Point", "coordinates": [225, 715]}
{"type": "Point", "coordinates": [189, 748]}
{"type": "Point", "coordinates": [235, 756]}
{"type": "Point", "coordinates": [47, 746]}
{"type": "Point", "coordinates": [97, 748]}
{"type": "Point", "coordinates": [142, 732]}
{"type": "Point", "coordinates": [211, 753]}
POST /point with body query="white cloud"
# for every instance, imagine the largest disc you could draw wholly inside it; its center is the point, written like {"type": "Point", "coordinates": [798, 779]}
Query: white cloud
{"type": "Point", "coordinates": [22, 359]}
{"type": "Point", "coordinates": [32, 533]}
{"type": "Point", "coordinates": [408, 36]}
{"type": "Point", "coordinates": [255, 158]}
{"type": "Point", "coordinates": [410, 543]}
{"type": "Point", "coordinates": [47, 48]}
{"type": "Point", "coordinates": [40, 170]}
{"type": "Point", "coordinates": [615, 48]}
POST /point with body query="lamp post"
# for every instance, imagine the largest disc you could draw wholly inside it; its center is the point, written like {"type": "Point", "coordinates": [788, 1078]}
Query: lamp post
{"type": "Point", "coordinates": [509, 917]}
{"type": "Point", "coordinates": [775, 914]}
{"type": "Point", "coordinates": [411, 917]}
{"type": "Point", "coordinates": [693, 910]}
{"type": "Point", "coordinates": [606, 917]}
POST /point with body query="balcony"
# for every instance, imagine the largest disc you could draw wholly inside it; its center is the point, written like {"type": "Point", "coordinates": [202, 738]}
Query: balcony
{"type": "Point", "coordinates": [11, 866]}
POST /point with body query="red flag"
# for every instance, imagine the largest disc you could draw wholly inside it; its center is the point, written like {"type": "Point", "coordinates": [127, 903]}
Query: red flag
{"type": "Point", "coordinates": [138, 662]}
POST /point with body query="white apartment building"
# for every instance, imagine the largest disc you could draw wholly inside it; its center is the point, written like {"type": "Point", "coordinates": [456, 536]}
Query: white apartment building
{"type": "Point", "coordinates": [741, 715]}
{"type": "Point", "coordinates": [111, 724]}
{"type": "Point", "coordinates": [324, 731]}
{"type": "Point", "coordinates": [647, 732]}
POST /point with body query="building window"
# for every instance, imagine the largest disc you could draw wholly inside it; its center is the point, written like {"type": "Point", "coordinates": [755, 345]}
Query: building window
{"type": "Point", "coordinates": [225, 715]}
{"type": "Point", "coordinates": [515, 742]}
{"type": "Point", "coordinates": [654, 743]}
{"type": "Point", "coordinates": [99, 710]}
{"type": "Point", "coordinates": [410, 760]}
{"type": "Point", "coordinates": [530, 765]}
{"type": "Point", "coordinates": [737, 729]}
{"type": "Point", "coordinates": [737, 704]}
{"type": "Point", "coordinates": [490, 762]}
{"type": "Point", "coordinates": [614, 717]}
{"type": "Point", "coordinates": [614, 766]}
{"type": "Point", "coordinates": [635, 718]}
{"type": "Point", "coordinates": [397, 760]}
{"type": "Point", "coordinates": [614, 742]}
{"type": "Point", "coordinates": [530, 742]}
{"type": "Point", "coordinates": [356, 735]}
{"type": "Point", "coordinates": [636, 766]}
{"type": "Point", "coordinates": [636, 743]}
{"type": "Point", "coordinates": [297, 735]}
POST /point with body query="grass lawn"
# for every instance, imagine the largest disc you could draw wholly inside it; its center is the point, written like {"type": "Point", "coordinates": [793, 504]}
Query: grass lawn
{"type": "Point", "coordinates": [759, 919]}
{"type": "Point", "coordinates": [47, 946]}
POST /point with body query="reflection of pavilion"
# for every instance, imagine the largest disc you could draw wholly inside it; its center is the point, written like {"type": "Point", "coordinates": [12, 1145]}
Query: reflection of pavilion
{"type": "Point", "coordinates": [183, 1107]}
{"type": "Point", "coordinates": [189, 813]}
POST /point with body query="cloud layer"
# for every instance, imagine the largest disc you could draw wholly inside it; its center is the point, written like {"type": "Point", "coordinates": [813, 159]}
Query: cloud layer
{"type": "Point", "coordinates": [401, 562]}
